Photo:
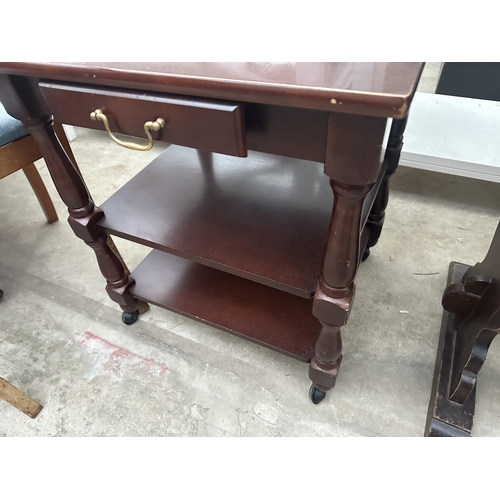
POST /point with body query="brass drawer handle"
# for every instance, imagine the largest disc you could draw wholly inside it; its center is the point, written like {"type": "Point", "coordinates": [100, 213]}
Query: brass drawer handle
{"type": "Point", "coordinates": [158, 124]}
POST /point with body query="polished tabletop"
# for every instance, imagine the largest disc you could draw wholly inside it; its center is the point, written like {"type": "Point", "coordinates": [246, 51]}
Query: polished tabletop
{"type": "Point", "coordinates": [374, 88]}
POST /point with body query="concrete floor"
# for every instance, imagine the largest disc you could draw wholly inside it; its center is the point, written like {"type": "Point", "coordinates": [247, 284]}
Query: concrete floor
{"type": "Point", "coordinates": [62, 340]}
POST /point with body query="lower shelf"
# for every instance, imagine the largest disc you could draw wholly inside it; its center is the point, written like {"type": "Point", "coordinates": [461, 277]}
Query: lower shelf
{"type": "Point", "coordinates": [264, 315]}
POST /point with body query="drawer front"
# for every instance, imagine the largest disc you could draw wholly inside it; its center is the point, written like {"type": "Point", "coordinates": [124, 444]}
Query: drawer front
{"type": "Point", "coordinates": [197, 123]}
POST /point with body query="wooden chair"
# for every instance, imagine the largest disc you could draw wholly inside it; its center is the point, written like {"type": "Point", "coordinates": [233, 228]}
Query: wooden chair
{"type": "Point", "coordinates": [19, 151]}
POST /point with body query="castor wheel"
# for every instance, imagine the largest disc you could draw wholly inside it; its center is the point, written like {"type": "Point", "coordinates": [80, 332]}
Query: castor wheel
{"type": "Point", "coordinates": [1, 294]}
{"type": "Point", "coordinates": [366, 254]}
{"type": "Point", "coordinates": [315, 395]}
{"type": "Point", "coordinates": [130, 318]}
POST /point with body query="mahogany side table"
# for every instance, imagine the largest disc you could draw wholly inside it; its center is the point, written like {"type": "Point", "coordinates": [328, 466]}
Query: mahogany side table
{"type": "Point", "coordinates": [274, 188]}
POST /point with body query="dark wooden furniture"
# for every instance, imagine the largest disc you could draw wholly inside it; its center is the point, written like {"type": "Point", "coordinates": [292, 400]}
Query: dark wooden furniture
{"type": "Point", "coordinates": [471, 320]}
{"type": "Point", "coordinates": [260, 213]}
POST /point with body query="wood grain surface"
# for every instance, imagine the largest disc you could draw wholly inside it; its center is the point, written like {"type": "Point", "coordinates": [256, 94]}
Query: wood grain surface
{"type": "Point", "coordinates": [19, 399]}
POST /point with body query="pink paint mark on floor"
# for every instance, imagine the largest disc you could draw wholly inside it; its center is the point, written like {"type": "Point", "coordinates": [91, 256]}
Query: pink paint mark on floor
{"type": "Point", "coordinates": [116, 356]}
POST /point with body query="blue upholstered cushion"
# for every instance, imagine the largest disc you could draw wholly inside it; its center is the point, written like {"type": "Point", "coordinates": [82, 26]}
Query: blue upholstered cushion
{"type": "Point", "coordinates": [10, 128]}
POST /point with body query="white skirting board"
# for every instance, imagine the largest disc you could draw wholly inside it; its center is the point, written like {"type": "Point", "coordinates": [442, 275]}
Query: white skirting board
{"type": "Point", "coordinates": [453, 135]}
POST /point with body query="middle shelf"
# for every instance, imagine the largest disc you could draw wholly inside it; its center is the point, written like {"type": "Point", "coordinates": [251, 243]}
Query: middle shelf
{"type": "Point", "coordinates": [263, 218]}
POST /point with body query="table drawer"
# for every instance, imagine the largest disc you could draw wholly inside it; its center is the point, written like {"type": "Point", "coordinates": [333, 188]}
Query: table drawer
{"type": "Point", "coordinates": [209, 125]}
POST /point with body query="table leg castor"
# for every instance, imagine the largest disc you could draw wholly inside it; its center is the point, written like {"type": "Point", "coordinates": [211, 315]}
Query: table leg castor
{"type": "Point", "coordinates": [315, 395]}
{"type": "Point", "coordinates": [130, 318]}
{"type": "Point", "coordinates": [366, 254]}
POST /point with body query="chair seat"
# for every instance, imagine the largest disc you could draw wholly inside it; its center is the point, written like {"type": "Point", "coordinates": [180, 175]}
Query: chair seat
{"type": "Point", "coordinates": [10, 129]}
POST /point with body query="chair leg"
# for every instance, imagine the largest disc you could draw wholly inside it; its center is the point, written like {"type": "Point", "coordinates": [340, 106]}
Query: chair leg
{"type": "Point", "coordinates": [41, 192]}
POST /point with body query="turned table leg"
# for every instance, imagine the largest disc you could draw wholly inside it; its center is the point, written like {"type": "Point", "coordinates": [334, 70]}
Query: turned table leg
{"type": "Point", "coordinates": [22, 100]}
{"type": "Point", "coordinates": [392, 154]}
{"type": "Point", "coordinates": [353, 162]}
{"type": "Point", "coordinates": [83, 217]}
{"type": "Point", "coordinates": [61, 135]}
